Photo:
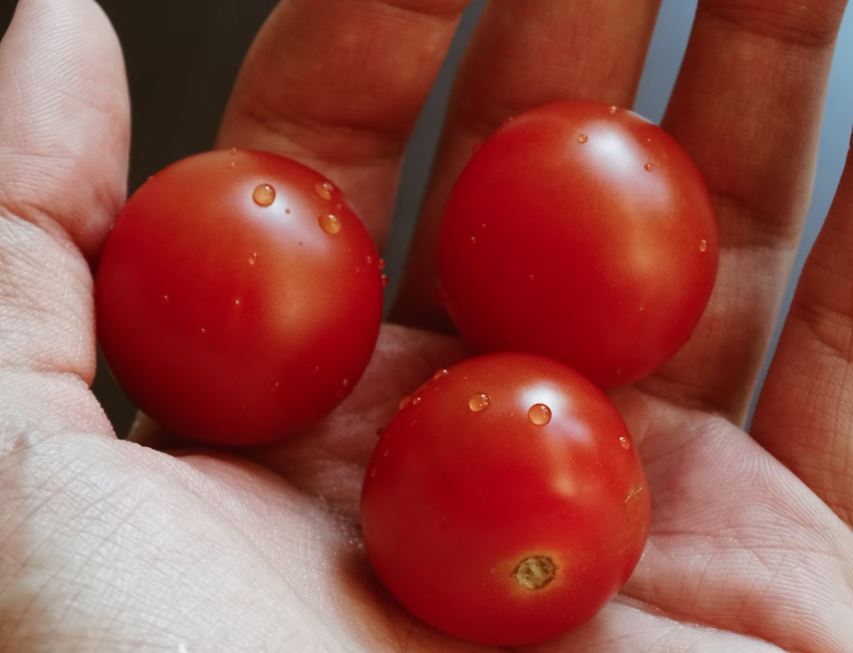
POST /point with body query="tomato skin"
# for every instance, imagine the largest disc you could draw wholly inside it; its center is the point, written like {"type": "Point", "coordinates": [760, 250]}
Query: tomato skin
{"type": "Point", "coordinates": [584, 233]}
{"type": "Point", "coordinates": [231, 321]}
{"type": "Point", "coordinates": [454, 500]}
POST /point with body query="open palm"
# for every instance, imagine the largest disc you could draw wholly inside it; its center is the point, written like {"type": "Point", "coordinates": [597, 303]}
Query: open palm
{"type": "Point", "coordinates": [111, 545]}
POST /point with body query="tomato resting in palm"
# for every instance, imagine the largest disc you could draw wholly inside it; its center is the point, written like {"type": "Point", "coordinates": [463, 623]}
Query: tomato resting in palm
{"type": "Point", "coordinates": [238, 297]}
{"type": "Point", "coordinates": [505, 502]}
{"type": "Point", "coordinates": [582, 232]}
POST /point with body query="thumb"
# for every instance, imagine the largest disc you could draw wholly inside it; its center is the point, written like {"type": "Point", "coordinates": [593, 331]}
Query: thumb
{"type": "Point", "coordinates": [64, 125]}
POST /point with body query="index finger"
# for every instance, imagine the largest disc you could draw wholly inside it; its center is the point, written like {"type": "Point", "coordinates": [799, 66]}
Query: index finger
{"type": "Point", "coordinates": [338, 85]}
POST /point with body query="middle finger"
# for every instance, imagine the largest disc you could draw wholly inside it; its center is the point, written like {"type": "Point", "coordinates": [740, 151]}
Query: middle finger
{"type": "Point", "coordinates": [522, 55]}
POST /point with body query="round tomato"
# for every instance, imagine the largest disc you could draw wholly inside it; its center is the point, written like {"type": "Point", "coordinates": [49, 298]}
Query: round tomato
{"type": "Point", "coordinates": [238, 297]}
{"type": "Point", "coordinates": [505, 502]}
{"type": "Point", "coordinates": [582, 232]}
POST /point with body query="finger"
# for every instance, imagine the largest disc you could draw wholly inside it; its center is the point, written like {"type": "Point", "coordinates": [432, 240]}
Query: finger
{"type": "Point", "coordinates": [522, 55]}
{"type": "Point", "coordinates": [63, 163]}
{"type": "Point", "coordinates": [747, 107]}
{"type": "Point", "coordinates": [805, 414]}
{"type": "Point", "coordinates": [338, 86]}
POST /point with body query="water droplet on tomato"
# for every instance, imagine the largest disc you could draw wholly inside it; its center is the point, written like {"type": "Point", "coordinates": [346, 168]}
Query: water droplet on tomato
{"type": "Point", "coordinates": [253, 258]}
{"type": "Point", "coordinates": [203, 331]}
{"type": "Point", "coordinates": [583, 138]}
{"type": "Point", "coordinates": [264, 195]}
{"type": "Point", "coordinates": [324, 190]}
{"type": "Point", "coordinates": [232, 164]}
{"type": "Point", "coordinates": [642, 307]}
{"type": "Point", "coordinates": [703, 245]}
{"type": "Point", "coordinates": [612, 109]}
{"type": "Point", "coordinates": [236, 301]}
{"type": "Point", "coordinates": [345, 383]}
{"type": "Point", "coordinates": [275, 385]}
{"type": "Point", "coordinates": [539, 414]}
{"type": "Point", "coordinates": [381, 264]}
{"type": "Point", "coordinates": [417, 400]}
{"type": "Point", "coordinates": [649, 167]}
{"type": "Point", "coordinates": [479, 402]}
{"type": "Point", "coordinates": [369, 259]}
{"type": "Point", "coordinates": [386, 452]}
{"type": "Point", "coordinates": [165, 298]}
{"type": "Point", "coordinates": [330, 223]}
{"type": "Point", "coordinates": [624, 442]}
{"type": "Point", "coordinates": [233, 151]}
{"type": "Point", "coordinates": [473, 240]}
{"type": "Point", "coordinates": [384, 279]}
{"type": "Point", "coordinates": [440, 373]}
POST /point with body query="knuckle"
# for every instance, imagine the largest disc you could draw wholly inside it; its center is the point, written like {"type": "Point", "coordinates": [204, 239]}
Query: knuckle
{"type": "Point", "coordinates": [794, 23]}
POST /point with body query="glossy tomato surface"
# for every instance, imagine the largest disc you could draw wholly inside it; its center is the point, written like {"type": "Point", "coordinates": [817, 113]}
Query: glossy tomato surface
{"type": "Point", "coordinates": [238, 297]}
{"type": "Point", "coordinates": [505, 502]}
{"type": "Point", "coordinates": [582, 232]}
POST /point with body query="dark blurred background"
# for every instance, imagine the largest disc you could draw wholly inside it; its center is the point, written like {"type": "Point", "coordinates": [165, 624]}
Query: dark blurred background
{"type": "Point", "coordinates": [182, 57]}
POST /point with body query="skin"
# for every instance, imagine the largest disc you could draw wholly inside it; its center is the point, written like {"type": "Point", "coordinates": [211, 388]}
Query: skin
{"type": "Point", "coordinates": [112, 545]}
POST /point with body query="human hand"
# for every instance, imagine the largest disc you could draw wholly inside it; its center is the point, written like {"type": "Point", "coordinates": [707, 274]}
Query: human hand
{"type": "Point", "coordinates": [109, 545]}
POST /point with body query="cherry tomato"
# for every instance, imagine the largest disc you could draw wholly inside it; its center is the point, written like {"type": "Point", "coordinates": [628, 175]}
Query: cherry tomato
{"type": "Point", "coordinates": [505, 503]}
{"type": "Point", "coordinates": [582, 232]}
{"type": "Point", "coordinates": [238, 297]}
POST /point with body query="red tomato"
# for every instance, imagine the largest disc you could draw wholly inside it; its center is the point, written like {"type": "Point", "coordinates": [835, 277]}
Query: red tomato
{"type": "Point", "coordinates": [582, 232]}
{"type": "Point", "coordinates": [238, 297]}
{"type": "Point", "coordinates": [505, 503]}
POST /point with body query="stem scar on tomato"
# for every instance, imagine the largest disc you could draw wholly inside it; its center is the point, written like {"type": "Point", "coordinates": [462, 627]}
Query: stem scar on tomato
{"type": "Point", "coordinates": [535, 572]}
